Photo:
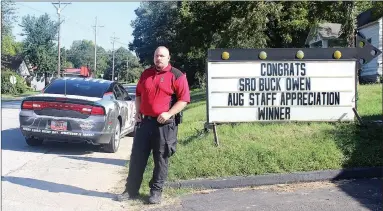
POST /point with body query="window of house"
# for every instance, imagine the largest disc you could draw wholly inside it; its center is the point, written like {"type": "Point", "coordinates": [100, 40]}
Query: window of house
{"type": "Point", "coordinates": [317, 44]}
{"type": "Point", "coordinates": [337, 43]}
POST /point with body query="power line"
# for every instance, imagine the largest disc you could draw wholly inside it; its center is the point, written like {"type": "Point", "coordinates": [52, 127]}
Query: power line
{"type": "Point", "coordinates": [122, 43]}
{"type": "Point", "coordinates": [99, 53]}
{"type": "Point", "coordinates": [114, 38]}
{"type": "Point", "coordinates": [83, 26]}
{"type": "Point", "coordinates": [95, 44]}
{"type": "Point", "coordinates": [59, 9]}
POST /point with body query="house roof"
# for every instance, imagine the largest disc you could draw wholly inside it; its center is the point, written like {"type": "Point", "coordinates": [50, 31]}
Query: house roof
{"type": "Point", "coordinates": [366, 17]}
{"type": "Point", "coordinates": [11, 62]}
{"type": "Point", "coordinates": [329, 30]}
{"type": "Point", "coordinates": [333, 30]}
{"type": "Point", "coordinates": [325, 30]}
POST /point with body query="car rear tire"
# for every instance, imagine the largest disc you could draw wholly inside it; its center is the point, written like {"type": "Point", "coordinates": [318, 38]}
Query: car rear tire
{"type": "Point", "coordinates": [114, 143]}
{"type": "Point", "coordinates": [34, 141]}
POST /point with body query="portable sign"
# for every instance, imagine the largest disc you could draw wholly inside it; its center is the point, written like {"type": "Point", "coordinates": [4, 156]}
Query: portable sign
{"type": "Point", "coordinates": [284, 84]}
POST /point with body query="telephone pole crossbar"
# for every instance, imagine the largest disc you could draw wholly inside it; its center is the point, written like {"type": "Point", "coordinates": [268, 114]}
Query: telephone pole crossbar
{"type": "Point", "coordinates": [59, 9]}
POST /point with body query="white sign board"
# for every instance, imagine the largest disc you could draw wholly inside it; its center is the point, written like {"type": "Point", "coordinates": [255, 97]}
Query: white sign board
{"type": "Point", "coordinates": [281, 91]}
{"type": "Point", "coordinates": [12, 79]}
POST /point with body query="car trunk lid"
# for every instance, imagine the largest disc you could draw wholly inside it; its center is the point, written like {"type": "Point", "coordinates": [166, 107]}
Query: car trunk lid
{"type": "Point", "coordinates": [63, 106]}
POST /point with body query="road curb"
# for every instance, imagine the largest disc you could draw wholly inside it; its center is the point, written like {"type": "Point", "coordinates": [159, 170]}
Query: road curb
{"type": "Point", "coordinates": [272, 179]}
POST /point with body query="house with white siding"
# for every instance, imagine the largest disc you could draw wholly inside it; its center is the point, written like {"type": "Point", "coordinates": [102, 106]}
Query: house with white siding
{"type": "Point", "coordinates": [326, 35]}
{"type": "Point", "coordinates": [373, 32]}
{"type": "Point", "coordinates": [20, 66]}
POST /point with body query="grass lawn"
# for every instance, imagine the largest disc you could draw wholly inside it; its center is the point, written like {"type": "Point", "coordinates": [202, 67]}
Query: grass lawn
{"type": "Point", "coordinates": [254, 148]}
{"type": "Point", "coordinates": [28, 93]}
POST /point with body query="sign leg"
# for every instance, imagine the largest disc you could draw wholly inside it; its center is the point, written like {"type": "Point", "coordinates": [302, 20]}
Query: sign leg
{"type": "Point", "coordinates": [206, 127]}
{"type": "Point", "coordinates": [357, 116]}
{"type": "Point", "coordinates": [215, 135]}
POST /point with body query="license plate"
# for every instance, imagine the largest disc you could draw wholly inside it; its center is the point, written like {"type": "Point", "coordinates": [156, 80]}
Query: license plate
{"type": "Point", "coordinates": [58, 125]}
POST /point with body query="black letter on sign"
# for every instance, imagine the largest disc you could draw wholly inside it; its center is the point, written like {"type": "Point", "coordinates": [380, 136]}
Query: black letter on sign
{"type": "Point", "coordinates": [303, 68]}
{"type": "Point", "coordinates": [235, 99]}
{"type": "Point", "coordinates": [241, 85]}
{"type": "Point", "coordinates": [263, 71]}
{"type": "Point", "coordinates": [247, 84]}
{"type": "Point", "coordinates": [261, 84]}
{"type": "Point", "coordinates": [251, 99]}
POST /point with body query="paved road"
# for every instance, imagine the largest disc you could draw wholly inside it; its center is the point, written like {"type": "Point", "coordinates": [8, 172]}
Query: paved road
{"type": "Point", "coordinates": [356, 195]}
{"type": "Point", "coordinates": [57, 176]}
{"type": "Point", "coordinates": [15, 104]}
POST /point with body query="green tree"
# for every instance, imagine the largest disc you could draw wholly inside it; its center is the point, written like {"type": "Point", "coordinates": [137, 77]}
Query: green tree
{"type": "Point", "coordinates": [102, 60]}
{"type": "Point", "coordinates": [190, 28]}
{"type": "Point", "coordinates": [154, 26]}
{"type": "Point", "coordinates": [349, 21]}
{"type": "Point", "coordinates": [378, 9]}
{"type": "Point", "coordinates": [39, 46]}
{"type": "Point", "coordinates": [9, 47]}
{"type": "Point", "coordinates": [8, 16]}
{"type": "Point", "coordinates": [81, 53]}
{"type": "Point", "coordinates": [126, 66]}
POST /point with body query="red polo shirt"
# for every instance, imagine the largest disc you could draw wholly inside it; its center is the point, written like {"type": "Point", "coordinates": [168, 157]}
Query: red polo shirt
{"type": "Point", "coordinates": [156, 87]}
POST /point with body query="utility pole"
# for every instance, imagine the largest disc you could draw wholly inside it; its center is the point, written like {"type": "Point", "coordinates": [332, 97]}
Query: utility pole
{"type": "Point", "coordinates": [59, 9]}
{"type": "Point", "coordinates": [95, 45]}
{"type": "Point", "coordinates": [127, 69]}
{"type": "Point", "coordinates": [114, 38]}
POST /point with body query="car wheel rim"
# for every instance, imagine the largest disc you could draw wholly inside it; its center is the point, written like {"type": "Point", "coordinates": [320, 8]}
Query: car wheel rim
{"type": "Point", "coordinates": [117, 135]}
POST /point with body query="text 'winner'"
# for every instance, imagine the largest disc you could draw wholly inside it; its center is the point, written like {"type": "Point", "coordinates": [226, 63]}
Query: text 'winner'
{"type": "Point", "coordinates": [279, 87]}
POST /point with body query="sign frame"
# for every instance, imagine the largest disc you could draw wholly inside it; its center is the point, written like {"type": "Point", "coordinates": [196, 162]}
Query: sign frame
{"type": "Point", "coordinates": [361, 54]}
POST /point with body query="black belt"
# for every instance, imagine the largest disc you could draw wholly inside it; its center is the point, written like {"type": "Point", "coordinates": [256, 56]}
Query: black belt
{"type": "Point", "coordinates": [155, 118]}
{"type": "Point", "coordinates": [150, 117]}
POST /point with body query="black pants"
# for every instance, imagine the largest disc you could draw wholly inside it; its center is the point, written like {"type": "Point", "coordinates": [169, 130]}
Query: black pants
{"type": "Point", "coordinates": [151, 136]}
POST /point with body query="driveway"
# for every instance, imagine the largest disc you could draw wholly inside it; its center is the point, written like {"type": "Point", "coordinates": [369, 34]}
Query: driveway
{"type": "Point", "coordinates": [58, 176]}
{"type": "Point", "coordinates": [351, 195]}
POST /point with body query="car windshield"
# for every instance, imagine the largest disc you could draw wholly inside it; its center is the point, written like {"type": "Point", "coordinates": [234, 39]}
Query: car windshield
{"type": "Point", "coordinates": [78, 86]}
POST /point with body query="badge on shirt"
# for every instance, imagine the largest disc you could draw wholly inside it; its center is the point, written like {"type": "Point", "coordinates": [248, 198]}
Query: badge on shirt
{"type": "Point", "coordinates": [162, 79]}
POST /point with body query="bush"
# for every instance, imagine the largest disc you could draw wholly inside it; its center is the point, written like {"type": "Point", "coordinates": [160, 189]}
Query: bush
{"type": "Point", "coordinates": [8, 88]}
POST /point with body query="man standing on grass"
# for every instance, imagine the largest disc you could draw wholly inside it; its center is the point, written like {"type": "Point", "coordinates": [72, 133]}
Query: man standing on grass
{"type": "Point", "coordinates": [162, 93]}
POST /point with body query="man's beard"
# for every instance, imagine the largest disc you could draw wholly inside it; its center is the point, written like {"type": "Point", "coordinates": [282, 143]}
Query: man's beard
{"type": "Point", "coordinates": [159, 66]}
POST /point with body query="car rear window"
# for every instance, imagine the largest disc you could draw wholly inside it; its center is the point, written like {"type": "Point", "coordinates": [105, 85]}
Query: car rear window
{"type": "Point", "coordinates": [77, 86]}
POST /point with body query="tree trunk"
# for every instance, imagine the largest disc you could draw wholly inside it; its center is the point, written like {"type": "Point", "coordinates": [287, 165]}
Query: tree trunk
{"type": "Point", "coordinates": [46, 78]}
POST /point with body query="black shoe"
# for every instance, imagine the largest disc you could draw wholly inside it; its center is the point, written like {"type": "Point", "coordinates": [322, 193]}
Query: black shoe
{"type": "Point", "coordinates": [125, 196]}
{"type": "Point", "coordinates": [155, 196]}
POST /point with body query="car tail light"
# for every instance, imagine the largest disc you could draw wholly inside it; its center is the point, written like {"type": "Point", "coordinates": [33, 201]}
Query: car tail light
{"type": "Point", "coordinates": [85, 109]}
{"type": "Point", "coordinates": [27, 105]}
{"type": "Point", "coordinates": [97, 111]}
